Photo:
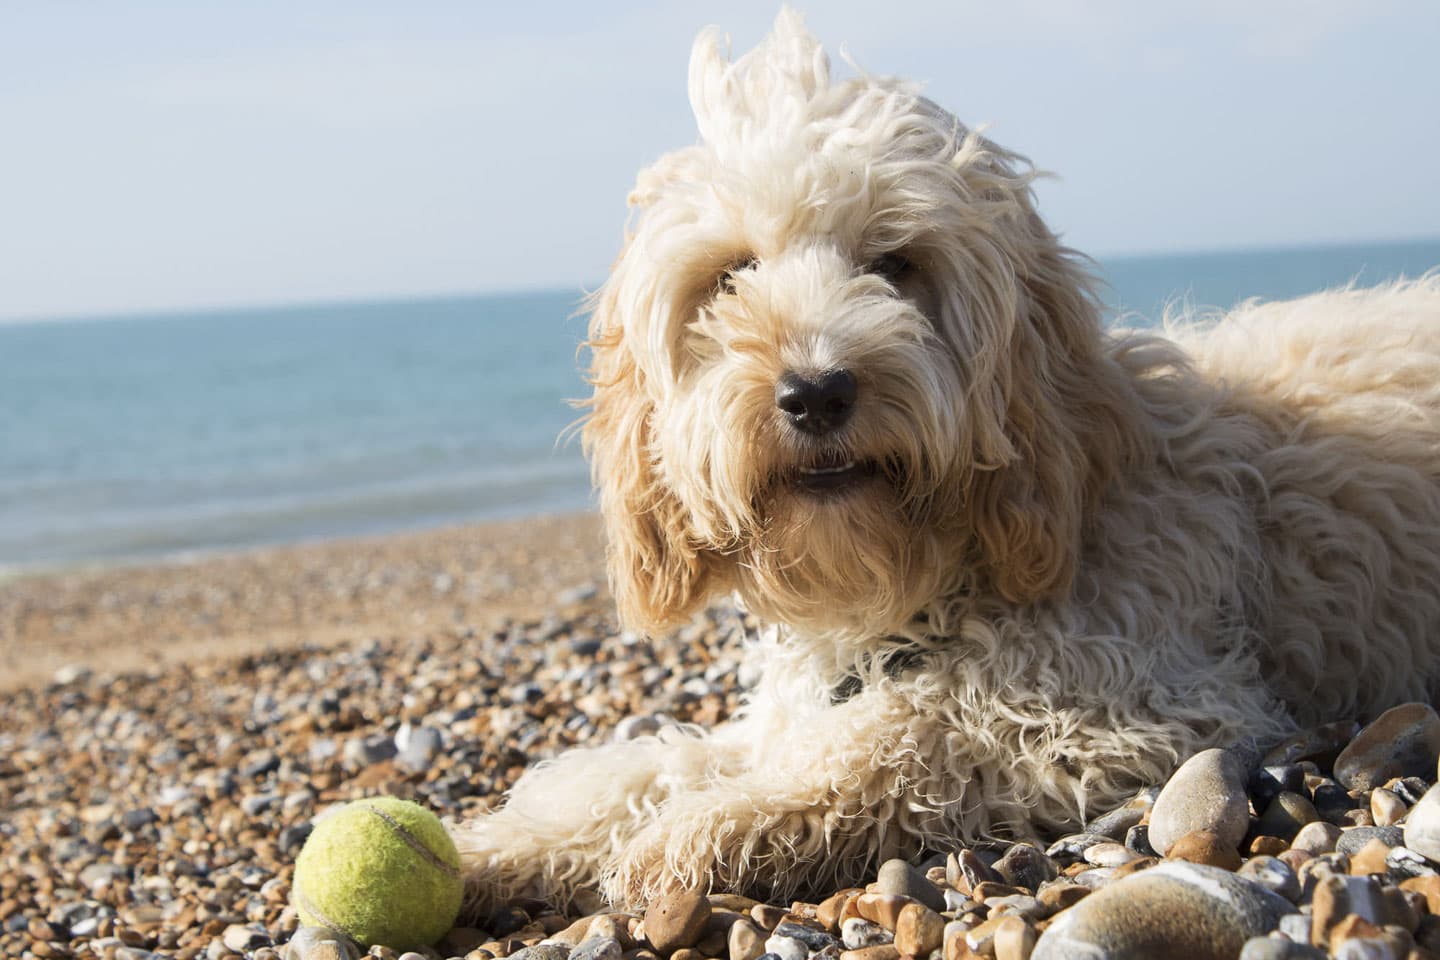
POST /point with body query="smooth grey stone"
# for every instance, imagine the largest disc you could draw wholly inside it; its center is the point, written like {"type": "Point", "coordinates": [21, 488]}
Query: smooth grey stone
{"type": "Point", "coordinates": [543, 951]}
{"type": "Point", "coordinates": [419, 748]}
{"type": "Point", "coordinates": [897, 876]}
{"type": "Point", "coordinates": [293, 837]}
{"type": "Point", "coordinates": [1171, 910]}
{"type": "Point", "coordinates": [597, 948]}
{"type": "Point", "coordinates": [1353, 839]}
{"type": "Point", "coordinates": [137, 818]}
{"type": "Point", "coordinates": [1206, 793]}
{"type": "Point", "coordinates": [1274, 875]}
{"type": "Point", "coordinates": [361, 752]}
{"type": "Point", "coordinates": [1117, 821]}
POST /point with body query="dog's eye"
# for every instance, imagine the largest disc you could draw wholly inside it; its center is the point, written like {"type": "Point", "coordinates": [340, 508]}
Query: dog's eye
{"type": "Point", "coordinates": [727, 276]}
{"type": "Point", "coordinates": [893, 266]}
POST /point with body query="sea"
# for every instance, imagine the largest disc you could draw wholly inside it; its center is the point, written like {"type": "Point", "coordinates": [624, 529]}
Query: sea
{"type": "Point", "coordinates": [140, 437]}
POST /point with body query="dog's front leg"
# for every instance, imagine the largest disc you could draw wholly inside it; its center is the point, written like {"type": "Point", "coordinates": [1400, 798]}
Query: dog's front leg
{"type": "Point", "coordinates": [817, 799]}
{"type": "Point", "coordinates": [566, 819]}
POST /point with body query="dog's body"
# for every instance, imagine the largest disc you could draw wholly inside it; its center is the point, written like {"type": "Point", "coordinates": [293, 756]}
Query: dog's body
{"type": "Point", "coordinates": [1017, 567]}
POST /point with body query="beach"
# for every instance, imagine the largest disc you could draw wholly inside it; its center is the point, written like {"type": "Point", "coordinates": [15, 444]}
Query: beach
{"type": "Point", "coordinates": [169, 733]}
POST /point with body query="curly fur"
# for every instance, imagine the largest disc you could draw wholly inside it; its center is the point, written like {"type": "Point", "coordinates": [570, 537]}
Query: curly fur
{"type": "Point", "coordinates": [1082, 557]}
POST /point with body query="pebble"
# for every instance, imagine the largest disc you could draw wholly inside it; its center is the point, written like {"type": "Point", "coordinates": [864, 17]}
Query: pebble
{"type": "Point", "coordinates": [451, 715]}
{"type": "Point", "coordinates": [1115, 823]}
{"type": "Point", "coordinates": [598, 948]}
{"type": "Point", "coordinates": [1023, 865]}
{"type": "Point", "coordinates": [785, 948]}
{"type": "Point", "coordinates": [1174, 909]}
{"type": "Point", "coordinates": [1274, 875]}
{"type": "Point", "coordinates": [1273, 948]}
{"type": "Point", "coordinates": [899, 878]}
{"type": "Point", "coordinates": [1285, 815]}
{"type": "Point", "coordinates": [1205, 847]}
{"type": "Point", "coordinates": [676, 920]}
{"type": "Point", "coordinates": [1422, 826]}
{"type": "Point", "coordinates": [1206, 793]}
{"type": "Point", "coordinates": [1351, 841]}
{"type": "Point", "coordinates": [1316, 838]}
{"type": "Point", "coordinates": [1403, 741]}
{"type": "Point", "coordinates": [919, 930]}
{"type": "Point", "coordinates": [746, 941]}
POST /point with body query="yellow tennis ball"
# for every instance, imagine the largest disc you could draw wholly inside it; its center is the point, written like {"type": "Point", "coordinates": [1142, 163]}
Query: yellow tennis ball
{"type": "Point", "coordinates": [381, 871]}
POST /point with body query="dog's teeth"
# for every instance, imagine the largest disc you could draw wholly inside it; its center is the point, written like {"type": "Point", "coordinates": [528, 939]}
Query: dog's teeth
{"type": "Point", "coordinates": [847, 465]}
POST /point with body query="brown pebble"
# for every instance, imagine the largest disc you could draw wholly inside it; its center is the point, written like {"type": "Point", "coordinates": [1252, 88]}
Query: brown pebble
{"type": "Point", "coordinates": [676, 920]}
{"type": "Point", "coordinates": [1370, 858]}
{"type": "Point", "coordinates": [884, 951]}
{"type": "Point", "coordinates": [687, 953]}
{"type": "Point", "coordinates": [1205, 847]}
{"type": "Point", "coordinates": [1263, 846]}
{"type": "Point", "coordinates": [985, 891]}
{"type": "Point", "coordinates": [1427, 887]}
{"type": "Point", "coordinates": [882, 908]}
{"type": "Point", "coordinates": [1061, 896]}
{"type": "Point", "coordinates": [918, 930]}
{"type": "Point", "coordinates": [1134, 866]}
{"type": "Point", "coordinates": [1014, 939]}
{"type": "Point", "coordinates": [1352, 927]}
{"type": "Point", "coordinates": [829, 910]}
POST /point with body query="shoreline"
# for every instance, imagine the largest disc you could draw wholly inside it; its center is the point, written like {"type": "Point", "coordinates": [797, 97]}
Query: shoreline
{"type": "Point", "coordinates": [129, 615]}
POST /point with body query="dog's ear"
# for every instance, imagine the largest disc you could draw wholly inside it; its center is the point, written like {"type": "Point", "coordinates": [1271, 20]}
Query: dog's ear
{"type": "Point", "coordinates": [1066, 424]}
{"type": "Point", "coordinates": [658, 574]}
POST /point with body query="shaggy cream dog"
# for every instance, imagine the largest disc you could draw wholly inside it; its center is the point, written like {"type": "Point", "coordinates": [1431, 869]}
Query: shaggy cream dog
{"type": "Point", "coordinates": [1017, 566]}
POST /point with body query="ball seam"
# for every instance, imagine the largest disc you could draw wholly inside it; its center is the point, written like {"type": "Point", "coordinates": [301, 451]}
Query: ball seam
{"type": "Point", "coordinates": [414, 843]}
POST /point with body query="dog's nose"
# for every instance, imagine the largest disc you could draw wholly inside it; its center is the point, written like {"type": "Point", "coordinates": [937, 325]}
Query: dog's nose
{"type": "Point", "coordinates": [819, 403]}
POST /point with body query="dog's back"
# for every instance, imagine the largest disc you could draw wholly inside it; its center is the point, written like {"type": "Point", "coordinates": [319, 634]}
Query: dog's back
{"type": "Point", "coordinates": [1340, 392]}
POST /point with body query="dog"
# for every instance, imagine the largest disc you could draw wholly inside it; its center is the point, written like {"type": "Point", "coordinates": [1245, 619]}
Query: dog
{"type": "Point", "coordinates": [1013, 565]}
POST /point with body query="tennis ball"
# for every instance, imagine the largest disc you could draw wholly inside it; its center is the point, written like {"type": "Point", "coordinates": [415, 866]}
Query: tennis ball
{"type": "Point", "coordinates": [381, 871]}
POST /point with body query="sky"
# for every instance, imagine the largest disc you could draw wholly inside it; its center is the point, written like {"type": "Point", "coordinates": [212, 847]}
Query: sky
{"type": "Point", "coordinates": [187, 154]}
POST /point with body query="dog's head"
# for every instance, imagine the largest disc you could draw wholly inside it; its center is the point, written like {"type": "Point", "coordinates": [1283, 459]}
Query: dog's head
{"type": "Point", "coordinates": [840, 365]}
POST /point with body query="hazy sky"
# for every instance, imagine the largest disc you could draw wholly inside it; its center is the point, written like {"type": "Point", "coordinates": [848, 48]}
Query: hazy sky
{"type": "Point", "coordinates": [172, 154]}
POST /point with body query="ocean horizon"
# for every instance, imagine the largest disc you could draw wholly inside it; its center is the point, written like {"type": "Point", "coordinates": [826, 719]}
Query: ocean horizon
{"type": "Point", "coordinates": [157, 435]}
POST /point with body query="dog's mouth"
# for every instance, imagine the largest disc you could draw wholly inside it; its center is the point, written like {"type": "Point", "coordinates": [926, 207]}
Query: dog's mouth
{"type": "Point", "coordinates": [833, 474]}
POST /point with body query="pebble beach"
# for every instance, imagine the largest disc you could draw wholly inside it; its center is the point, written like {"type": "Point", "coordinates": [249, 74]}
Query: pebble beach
{"type": "Point", "coordinates": [169, 733]}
